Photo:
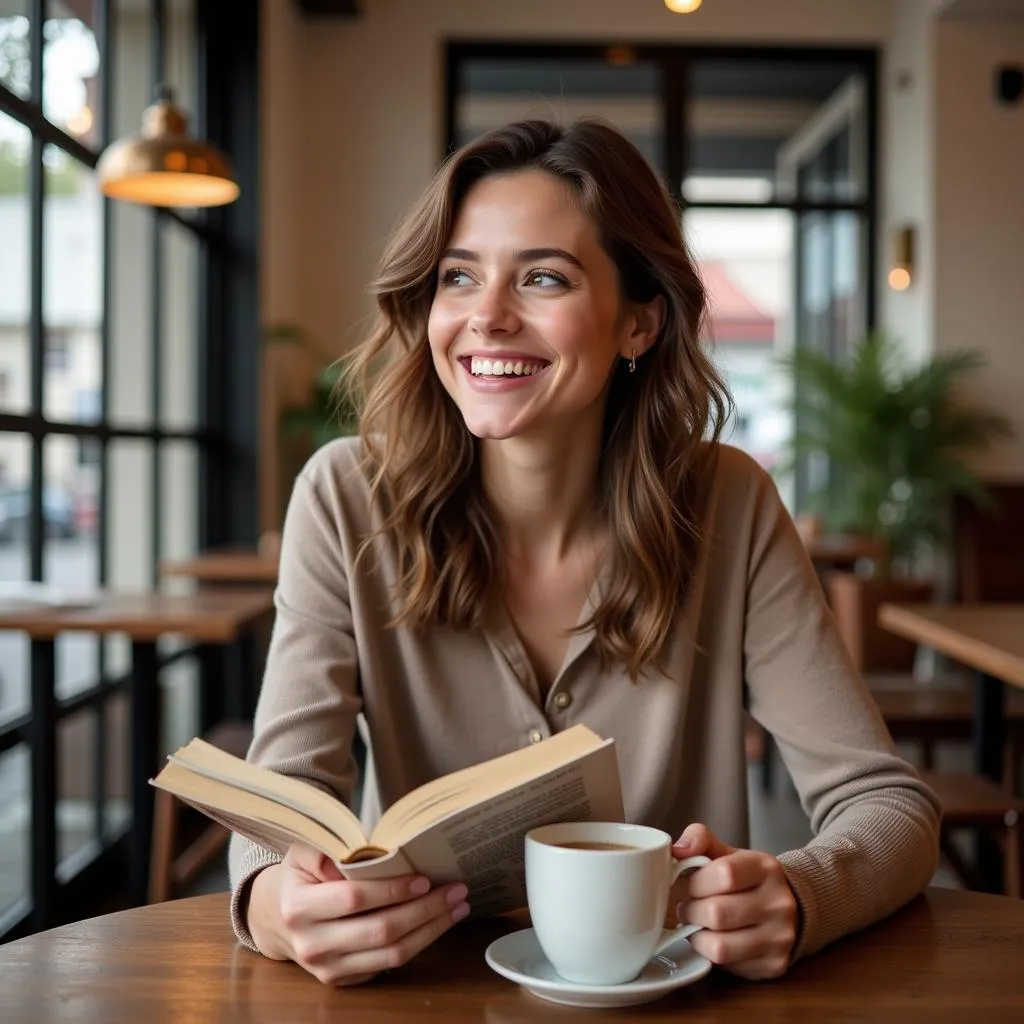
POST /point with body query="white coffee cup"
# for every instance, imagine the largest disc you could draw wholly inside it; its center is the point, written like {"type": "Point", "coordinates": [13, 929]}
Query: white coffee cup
{"type": "Point", "coordinates": [599, 914]}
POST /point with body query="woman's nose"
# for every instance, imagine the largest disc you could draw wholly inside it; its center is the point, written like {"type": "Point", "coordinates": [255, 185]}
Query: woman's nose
{"type": "Point", "coordinates": [494, 314]}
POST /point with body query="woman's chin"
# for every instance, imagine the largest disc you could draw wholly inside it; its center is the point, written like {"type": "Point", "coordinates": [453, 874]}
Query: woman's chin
{"type": "Point", "coordinates": [491, 432]}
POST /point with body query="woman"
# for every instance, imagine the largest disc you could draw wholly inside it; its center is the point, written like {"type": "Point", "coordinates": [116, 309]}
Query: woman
{"type": "Point", "coordinates": [534, 530]}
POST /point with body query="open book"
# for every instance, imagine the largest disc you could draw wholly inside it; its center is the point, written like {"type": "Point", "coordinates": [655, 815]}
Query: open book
{"type": "Point", "coordinates": [467, 826]}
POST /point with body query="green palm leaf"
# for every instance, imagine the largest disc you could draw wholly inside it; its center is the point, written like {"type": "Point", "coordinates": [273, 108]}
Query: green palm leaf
{"type": "Point", "coordinates": [898, 439]}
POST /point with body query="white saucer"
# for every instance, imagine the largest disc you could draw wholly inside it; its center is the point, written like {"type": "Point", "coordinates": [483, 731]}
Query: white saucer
{"type": "Point", "coordinates": [519, 958]}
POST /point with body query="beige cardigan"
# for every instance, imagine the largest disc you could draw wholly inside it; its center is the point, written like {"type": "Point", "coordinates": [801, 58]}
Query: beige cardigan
{"type": "Point", "coordinates": [437, 700]}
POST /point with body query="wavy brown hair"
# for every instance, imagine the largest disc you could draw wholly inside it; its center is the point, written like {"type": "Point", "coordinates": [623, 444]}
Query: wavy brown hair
{"type": "Point", "coordinates": [424, 461]}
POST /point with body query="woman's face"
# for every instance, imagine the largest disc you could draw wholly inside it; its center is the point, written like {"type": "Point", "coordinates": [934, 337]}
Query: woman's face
{"type": "Point", "coordinates": [527, 321]}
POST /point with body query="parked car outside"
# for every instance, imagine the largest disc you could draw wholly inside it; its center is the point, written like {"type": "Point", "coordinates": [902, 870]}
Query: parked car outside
{"type": "Point", "coordinates": [58, 514]}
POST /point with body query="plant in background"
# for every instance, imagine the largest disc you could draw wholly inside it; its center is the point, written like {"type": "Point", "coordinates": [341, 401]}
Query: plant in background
{"type": "Point", "coordinates": [898, 440]}
{"type": "Point", "coordinates": [329, 411]}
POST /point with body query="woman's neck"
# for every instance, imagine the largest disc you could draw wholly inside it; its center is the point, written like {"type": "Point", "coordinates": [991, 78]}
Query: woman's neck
{"type": "Point", "coordinates": [543, 494]}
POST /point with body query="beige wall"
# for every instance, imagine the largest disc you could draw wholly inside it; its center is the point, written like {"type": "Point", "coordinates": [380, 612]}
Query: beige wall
{"type": "Point", "coordinates": [907, 180]}
{"type": "Point", "coordinates": [979, 218]}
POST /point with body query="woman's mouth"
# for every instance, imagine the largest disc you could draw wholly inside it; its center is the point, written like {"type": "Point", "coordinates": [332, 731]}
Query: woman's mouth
{"type": "Point", "coordinates": [484, 368]}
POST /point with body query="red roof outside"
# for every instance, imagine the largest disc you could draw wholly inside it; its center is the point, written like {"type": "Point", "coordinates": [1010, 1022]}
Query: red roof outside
{"type": "Point", "coordinates": [733, 316]}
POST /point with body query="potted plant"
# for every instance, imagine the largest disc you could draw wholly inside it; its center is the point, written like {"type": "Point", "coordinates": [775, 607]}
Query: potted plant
{"type": "Point", "coordinates": [898, 440]}
{"type": "Point", "coordinates": [311, 409]}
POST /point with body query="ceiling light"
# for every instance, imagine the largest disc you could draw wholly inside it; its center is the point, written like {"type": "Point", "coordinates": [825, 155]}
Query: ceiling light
{"type": "Point", "coordinates": [163, 166]}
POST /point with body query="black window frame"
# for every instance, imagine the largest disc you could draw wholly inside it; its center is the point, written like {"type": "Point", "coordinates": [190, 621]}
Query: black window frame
{"type": "Point", "coordinates": [224, 438]}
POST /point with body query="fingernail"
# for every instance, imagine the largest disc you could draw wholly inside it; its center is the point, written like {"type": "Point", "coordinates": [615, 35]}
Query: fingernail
{"type": "Point", "coordinates": [456, 895]}
{"type": "Point", "coordinates": [420, 887]}
{"type": "Point", "coordinates": [682, 843]}
{"type": "Point", "coordinates": [460, 912]}
{"type": "Point", "coordinates": [680, 910]}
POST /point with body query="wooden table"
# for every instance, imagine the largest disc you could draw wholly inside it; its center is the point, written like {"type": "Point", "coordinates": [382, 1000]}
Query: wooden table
{"type": "Point", "coordinates": [990, 640]}
{"type": "Point", "coordinates": [210, 616]}
{"type": "Point", "coordinates": [842, 550]}
{"type": "Point", "coordinates": [225, 565]}
{"type": "Point", "coordinates": [949, 956]}
{"type": "Point", "coordinates": [987, 638]}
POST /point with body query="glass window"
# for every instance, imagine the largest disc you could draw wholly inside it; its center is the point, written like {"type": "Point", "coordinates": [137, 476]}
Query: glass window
{"type": "Point", "coordinates": [72, 289]}
{"type": "Point", "coordinates": [129, 394]}
{"type": "Point", "coordinates": [71, 66]}
{"type": "Point", "coordinates": [745, 258]}
{"type": "Point", "coordinates": [15, 265]}
{"type": "Point", "coordinates": [71, 552]}
{"type": "Point", "coordinates": [117, 809]}
{"type": "Point", "coordinates": [76, 785]}
{"type": "Point", "coordinates": [130, 511]}
{"type": "Point", "coordinates": [620, 89]}
{"type": "Point", "coordinates": [179, 372]}
{"type": "Point", "coordinates": [15, 66]}
{"type": "Point", "coordinates": [753, 124]}
{"type": "Point", "coordinates": [179, 476]}
{"type": "Point", "coordinates": [100, 282]}
{"type": "Point", "coordinates": [15, 816]}
{"type": "Point", "coordinates": [15, 476]}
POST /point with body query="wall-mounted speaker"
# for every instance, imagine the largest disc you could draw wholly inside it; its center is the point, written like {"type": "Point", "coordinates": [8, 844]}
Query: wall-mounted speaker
{"type": "Point", "coordinates": [1009, 83]}
{"type": "Point", "coordinates": [346, 8]}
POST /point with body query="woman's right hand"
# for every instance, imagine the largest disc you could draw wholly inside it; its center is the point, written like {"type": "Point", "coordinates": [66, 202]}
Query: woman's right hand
{"type": "Point", "coordinates": [345, 932]}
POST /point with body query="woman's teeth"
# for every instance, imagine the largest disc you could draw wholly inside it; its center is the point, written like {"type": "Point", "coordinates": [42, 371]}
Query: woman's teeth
{"type": "Point", "coordinates": [480, 367]}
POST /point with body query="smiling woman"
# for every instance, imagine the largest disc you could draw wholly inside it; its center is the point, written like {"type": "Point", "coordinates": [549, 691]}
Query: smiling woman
{"type": "Point", "coordinates": [553, 308]}
{"type": "Point", "coordinates": [562, 250]}
{"type": "Point", "coordinates": [537, 528]}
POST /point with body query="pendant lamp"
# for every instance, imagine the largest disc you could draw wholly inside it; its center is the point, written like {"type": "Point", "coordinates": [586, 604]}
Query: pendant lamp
{"type": "Point", "coordinates": [162, 166]}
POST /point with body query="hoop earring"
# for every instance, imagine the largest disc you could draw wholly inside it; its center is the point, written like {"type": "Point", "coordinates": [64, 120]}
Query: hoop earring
{"type": "Point", "coordinates": [632, 361]}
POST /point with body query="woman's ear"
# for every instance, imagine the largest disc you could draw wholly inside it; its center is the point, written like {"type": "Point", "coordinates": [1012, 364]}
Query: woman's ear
{"type": "Point", "coordinates": [646, 321]}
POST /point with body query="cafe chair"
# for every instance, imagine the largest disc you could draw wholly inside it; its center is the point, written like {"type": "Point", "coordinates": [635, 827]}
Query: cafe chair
{"type": "Point", "coordinates": [177, 859]}
{"type": "Point", "coordinates": [989, 549]}
{"type": "Point", "coordinates": [975, 802]}
{"type": "Point", "coordinates": [928, 713]}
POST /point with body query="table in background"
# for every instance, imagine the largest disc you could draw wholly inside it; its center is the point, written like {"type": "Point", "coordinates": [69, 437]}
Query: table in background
{"type": "Point", "coordinates": [841, 551]}
{"type": "Point", "coordinates": [225, 565]}
{"type": "Point", "coordinates": [210, 616]}
{"type": "Point", "coordinates": [949, 955]}
{"type": "Point", "coordinates": [988, 638]}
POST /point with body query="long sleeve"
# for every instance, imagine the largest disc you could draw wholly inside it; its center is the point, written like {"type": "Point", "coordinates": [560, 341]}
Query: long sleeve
{"type": "Point", "coordinates": [875, 823]}
{"type": "Point", "coordinates": [306, 714]}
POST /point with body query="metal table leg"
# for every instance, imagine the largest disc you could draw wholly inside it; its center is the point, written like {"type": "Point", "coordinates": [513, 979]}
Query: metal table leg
{"type": "Point", "coordinates": [989, 736]}
{"type": "Point", "coordinates": [145, 731]}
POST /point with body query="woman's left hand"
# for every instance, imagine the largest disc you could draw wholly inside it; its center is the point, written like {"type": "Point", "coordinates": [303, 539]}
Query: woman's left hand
{"type": "Point", "coordinates": [745, 904]}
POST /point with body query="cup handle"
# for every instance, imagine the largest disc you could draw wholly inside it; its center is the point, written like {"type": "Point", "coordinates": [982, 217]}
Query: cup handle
{"type": "Point", "coordinates": [685, 866]}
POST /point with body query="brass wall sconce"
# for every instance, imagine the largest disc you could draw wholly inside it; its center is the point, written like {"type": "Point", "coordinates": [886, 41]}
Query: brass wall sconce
{"type": "Point", "coordinates": [902, 267]}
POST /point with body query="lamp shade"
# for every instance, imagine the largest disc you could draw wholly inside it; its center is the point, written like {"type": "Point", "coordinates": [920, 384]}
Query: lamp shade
{"type": "Point", "coordinates": [163, 167]}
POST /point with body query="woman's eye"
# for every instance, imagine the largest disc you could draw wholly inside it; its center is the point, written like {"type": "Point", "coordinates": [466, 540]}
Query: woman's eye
{"type": "Point", "coordinates": [456, 278]}
{"type": "Point", "coordinates": [546, 279]}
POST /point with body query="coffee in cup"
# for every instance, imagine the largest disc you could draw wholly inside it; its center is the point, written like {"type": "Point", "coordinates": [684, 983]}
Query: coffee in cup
{"type": "Point", "coordinates": [598, 894]}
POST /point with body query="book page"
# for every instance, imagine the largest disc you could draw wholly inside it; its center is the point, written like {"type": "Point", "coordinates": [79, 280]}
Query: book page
{"type": "Point", "coordinates": [483, 845]}
{"type": "Point", "coordinates": [212, 763]}
{"type": "Point", "coordinates": [237, 807]}
{"type": "Point", "coordinates": [435, 800]}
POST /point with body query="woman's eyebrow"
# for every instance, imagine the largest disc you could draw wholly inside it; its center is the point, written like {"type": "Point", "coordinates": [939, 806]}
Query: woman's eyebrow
{"type": "Point", "coordinates": [522, 256]}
